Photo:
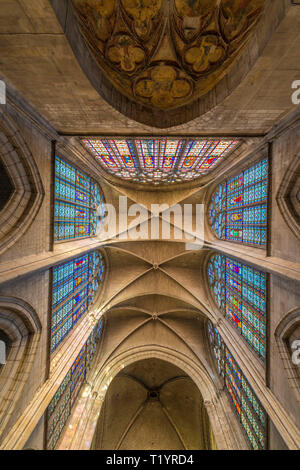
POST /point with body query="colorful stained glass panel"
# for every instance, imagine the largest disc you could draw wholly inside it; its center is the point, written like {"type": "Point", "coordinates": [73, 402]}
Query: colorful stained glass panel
{"type": "Point", "coordinates": [61, 405]}
{"type": "Point", "coordinates": [240, 293]}
{"type": "Point", "coordinates": [77, 200]}
{"type": "Point", "coordinates": [249, 410]}
{"type": "Point", "coordinates": [159, 160]}
{"type": "Point", "coordinates": [238, 210]}
{"type": "Point", "coordinates": [75, 285]}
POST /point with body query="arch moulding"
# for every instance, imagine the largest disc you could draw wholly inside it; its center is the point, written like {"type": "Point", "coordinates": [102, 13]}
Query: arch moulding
{"type": "Point", "coordinates": [80, 436]}
{"type": "Point", "coordinates": [22, 326]}
{"type": "Point", "coordinates": [28, 193]}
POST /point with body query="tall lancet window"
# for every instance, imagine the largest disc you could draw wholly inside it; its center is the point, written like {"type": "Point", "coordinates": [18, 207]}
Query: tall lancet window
{"type": "Point", "coordinates": [240, 293]}
{"type": "Point", "coordinates": [63, 401]}
{"type": "Point", "coordinates": [78, 203]}
{"type": "Point", "coordinates": [238, 210]}
{"type": "Point", "coordinates": [75, 286]}
{"type": "Point", "coordinates": [250, 411]}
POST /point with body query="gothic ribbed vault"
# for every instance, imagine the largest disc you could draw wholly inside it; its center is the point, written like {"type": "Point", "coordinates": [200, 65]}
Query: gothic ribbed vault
{"type": "Point", "coordinates": [134, 364]}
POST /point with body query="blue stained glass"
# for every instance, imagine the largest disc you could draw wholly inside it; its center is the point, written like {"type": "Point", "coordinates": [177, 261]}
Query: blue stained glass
{"type": "Point", "coordinates": [78, 200]}
{"type": "Point", "coordinates": [238, 210]}
{"type": "Point", "coordinates": [159, 160]}
{"type": "Point", "coordinates": [240, 293]}
{"type": "Point", "coordinates": [61, 404]}
{"type": "Point", "coordinates": [74, 288]}
{"type": "Point", "coordinates": [248, 408]}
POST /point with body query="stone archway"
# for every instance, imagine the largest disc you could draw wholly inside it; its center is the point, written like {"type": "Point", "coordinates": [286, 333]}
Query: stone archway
{"type": "Point", "coordinates": [81, 431]}
{"type": "Point", "coordinates": [25, 191]}
{"type": "Point", "coordinates": [288, 196]}
{"type": "Point", "coordinates": [287, 338]}
{"type": "Point", "coordinates": [153, 405]}
{"type": "Point", "coordinates": [20, 324]}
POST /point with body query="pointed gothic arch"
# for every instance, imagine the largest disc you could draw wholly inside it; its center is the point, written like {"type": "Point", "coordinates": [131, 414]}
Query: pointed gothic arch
{"type": "Point", "coordinates": [288, 196]}
{"type": "Point", "coordinates": [226, 436]}
{"type": "Point", "coordinates": [287, 335]}
{"type": "Point", "coordinates": [22, 326]}
{"type": "Point", "coordinates": [26, 189]}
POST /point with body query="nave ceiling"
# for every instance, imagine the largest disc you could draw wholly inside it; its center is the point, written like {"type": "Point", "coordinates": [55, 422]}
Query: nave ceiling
{"type": "Point", "coordinates": [156, 293]}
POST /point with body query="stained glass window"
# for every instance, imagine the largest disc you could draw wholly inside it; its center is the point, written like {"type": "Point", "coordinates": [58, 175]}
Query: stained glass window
{"type": "Point", "coordinates": [238, 211]}
{"type": "Point", "coordinates": [240, 293]}
{"type": "Point", "coordinates": [79, 203]}
{"type": "Point", "coordinates": [75, 285]}
{"type": "Point", "coordinates": [159, 160]}
{"type": "Point", "coordinates": [61, 405]}
{"type": "Point", "coordinates": [251, 413]}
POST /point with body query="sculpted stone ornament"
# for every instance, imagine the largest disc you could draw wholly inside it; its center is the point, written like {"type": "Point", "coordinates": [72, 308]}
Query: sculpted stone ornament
{"type": "Point", "coordinates": [163, 85]}
{"type": "Point", "coordinates": [164, 55]}
{"type": "Point", "coordinates": [125, 54]}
